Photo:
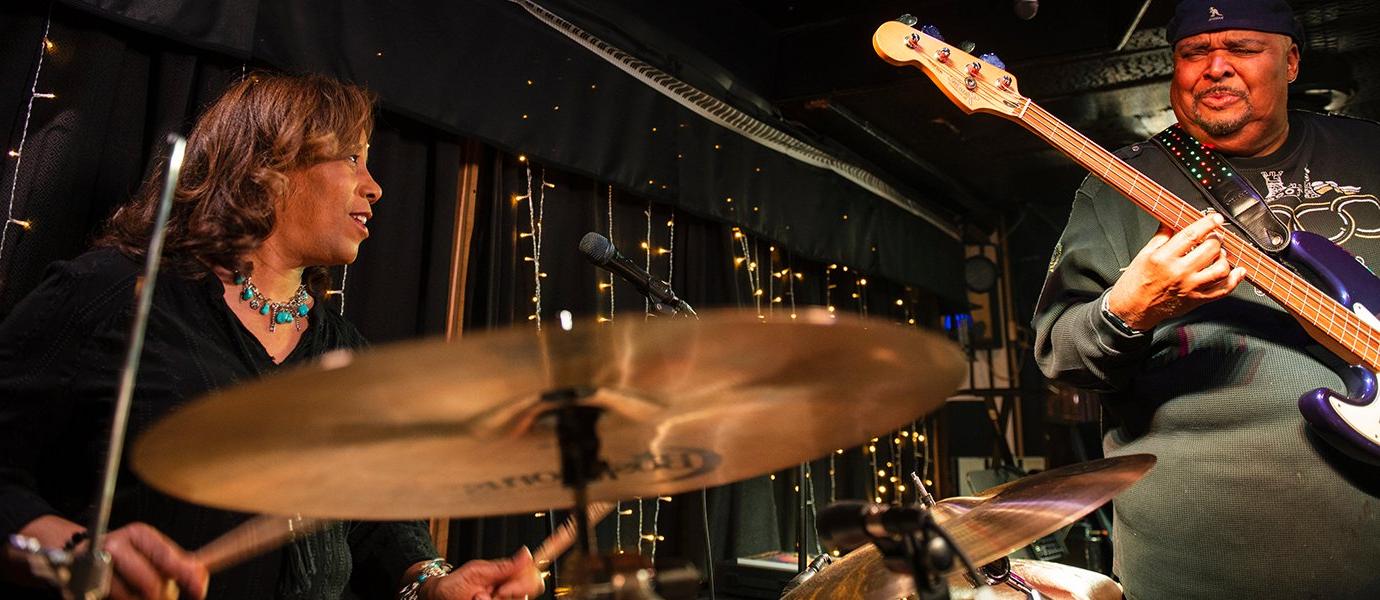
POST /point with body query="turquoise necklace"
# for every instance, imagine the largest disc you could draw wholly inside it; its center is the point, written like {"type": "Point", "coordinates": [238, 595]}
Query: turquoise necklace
{"type": "Point", "coordinates": [279, 313]}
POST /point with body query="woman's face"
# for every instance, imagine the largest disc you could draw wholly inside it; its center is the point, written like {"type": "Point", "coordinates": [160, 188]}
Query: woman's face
{"type": "Point", "coordinates": [323, 217]}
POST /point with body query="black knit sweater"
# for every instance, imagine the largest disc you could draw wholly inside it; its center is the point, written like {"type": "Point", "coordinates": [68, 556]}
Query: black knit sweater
{"type": "Point", "coordinates": [60, 354]}
{"type": "Point", "coordinates": [1244, 502]}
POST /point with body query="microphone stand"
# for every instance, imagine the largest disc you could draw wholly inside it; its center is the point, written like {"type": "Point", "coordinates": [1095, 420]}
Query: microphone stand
{"type": "Point", "coordinates": [86, 576]}
{"type": "Point", "coordinates": [91, 572]}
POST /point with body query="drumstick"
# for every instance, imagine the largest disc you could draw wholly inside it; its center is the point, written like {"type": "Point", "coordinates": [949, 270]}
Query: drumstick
{"type": "Point", "coordinates": [253, 537]}
{"type": "Point", "coordinates": [564, 536]}
{"type": "Point", "coordinates": [265, 532]}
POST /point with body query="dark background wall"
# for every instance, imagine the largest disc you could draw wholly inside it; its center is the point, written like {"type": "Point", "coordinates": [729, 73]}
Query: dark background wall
{"type": "Point", "coordinates": [120, 80]}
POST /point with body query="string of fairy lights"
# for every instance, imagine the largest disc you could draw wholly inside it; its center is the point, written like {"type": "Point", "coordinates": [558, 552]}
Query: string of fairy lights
{"type": "Point", "coordinates": [886, 456]}
{"type": "Point", "coordinates": [46, 46]}
{"type": "Point", "coordinates": [772, 284]}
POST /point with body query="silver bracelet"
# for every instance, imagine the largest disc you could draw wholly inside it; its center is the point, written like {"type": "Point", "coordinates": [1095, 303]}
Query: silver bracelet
{"type": "Point", "coordinates": [436, 567]}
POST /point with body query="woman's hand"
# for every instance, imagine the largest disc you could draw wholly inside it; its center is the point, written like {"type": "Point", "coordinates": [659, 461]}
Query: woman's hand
{"type": "Point", "coordinates": [145, 564]}
{"type": "Point", "coordinates": [508, 578]}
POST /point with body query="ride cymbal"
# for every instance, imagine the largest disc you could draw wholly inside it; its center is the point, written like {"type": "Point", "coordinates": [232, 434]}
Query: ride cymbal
{"type": "Point", "coordinates": [430, 429]}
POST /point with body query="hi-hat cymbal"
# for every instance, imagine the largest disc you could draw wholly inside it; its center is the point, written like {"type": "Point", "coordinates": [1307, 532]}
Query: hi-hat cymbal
{"type": "Point", "coordinates": [460, 429]}
{"type": "Point", "coordinates": [988, 526]}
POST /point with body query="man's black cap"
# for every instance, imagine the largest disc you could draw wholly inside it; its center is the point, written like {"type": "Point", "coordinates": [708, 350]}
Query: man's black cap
{"type": "Point", "coordinates": [1193, 17]}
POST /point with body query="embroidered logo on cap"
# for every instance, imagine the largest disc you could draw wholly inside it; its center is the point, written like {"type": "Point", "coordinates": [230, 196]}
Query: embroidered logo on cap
{"type": "Point", "coordinates": [1214, 14]}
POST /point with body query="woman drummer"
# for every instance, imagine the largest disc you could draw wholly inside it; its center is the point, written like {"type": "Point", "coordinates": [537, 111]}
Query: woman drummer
{"type": "Point", "coordinates": [275, 188]}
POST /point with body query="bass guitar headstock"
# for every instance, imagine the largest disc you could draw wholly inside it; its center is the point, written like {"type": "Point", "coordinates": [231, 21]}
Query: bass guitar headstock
{"type": "Point", "coordinates": [975, 84]}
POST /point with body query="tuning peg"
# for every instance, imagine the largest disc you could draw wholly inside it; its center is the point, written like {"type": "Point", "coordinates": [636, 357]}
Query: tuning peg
{"type": "Point", "coordinates": [992, 59]}
{"type": "Point", "coordinates": [967, 46]}
{"type": "Point", "coordinates": [933, 32]}
{"type": "Point", "coordinates": [908, 20]}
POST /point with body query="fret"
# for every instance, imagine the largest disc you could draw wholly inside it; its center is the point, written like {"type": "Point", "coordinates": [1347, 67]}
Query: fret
{"type": "Point", "coordinates": [1332, 318]}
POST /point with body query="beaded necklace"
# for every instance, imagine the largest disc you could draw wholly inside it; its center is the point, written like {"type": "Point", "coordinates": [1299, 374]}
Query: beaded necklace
{"type": "Point", "coordinates": [279, 313]}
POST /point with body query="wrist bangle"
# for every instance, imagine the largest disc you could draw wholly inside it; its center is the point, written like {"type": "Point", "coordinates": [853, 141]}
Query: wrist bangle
{"type": "Point", "coordinates": [1116, 321]}
{"type": "Point", "coordinates": [436, 567]}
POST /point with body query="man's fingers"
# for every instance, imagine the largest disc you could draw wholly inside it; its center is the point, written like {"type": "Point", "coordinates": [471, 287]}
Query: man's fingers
{"type": "Point", "coordinates": [1161, 236]}
{"type": "Point", "coordinates": [1193, 234]}
{"type": "Point", "coordinates": [1206, 253]}
{"type": "Point", "coordinates": [1209, 275]}
{"type": "Point", "coordinates": [1223, 286]}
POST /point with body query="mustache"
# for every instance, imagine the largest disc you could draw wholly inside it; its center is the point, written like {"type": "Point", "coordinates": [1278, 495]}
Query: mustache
{"type": "Point", "coordinates": [1219, 89]}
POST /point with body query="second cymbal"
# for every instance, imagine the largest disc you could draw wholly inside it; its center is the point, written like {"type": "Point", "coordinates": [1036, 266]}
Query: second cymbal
{"type": "Point", "coordinates": [988, 526]}
{"type": "Point", "coordinates": [461, 429]}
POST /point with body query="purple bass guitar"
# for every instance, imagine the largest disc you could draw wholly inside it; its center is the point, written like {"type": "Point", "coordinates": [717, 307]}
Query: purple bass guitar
{"type": "Point", "coordinates": [1338, 312]}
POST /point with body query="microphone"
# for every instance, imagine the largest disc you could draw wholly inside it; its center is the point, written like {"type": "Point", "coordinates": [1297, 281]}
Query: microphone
{"type": "Point", "coordinates": [847, 524]}
{"type": "Point", "coordinates": [816, 565]}
{"type": "Point", "coordinates": [600, 251]}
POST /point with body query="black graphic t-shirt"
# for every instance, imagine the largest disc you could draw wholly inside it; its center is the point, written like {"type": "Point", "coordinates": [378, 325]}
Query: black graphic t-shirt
{"type": "Point", "coordinates": [1244, 501]}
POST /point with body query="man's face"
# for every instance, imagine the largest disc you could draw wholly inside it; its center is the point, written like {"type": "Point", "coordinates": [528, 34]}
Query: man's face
{"type": "Point", "coordinates": [1232, 86]}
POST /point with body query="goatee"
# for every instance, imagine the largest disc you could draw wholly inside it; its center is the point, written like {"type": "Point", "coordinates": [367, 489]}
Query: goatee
{"type": "Point", "coordinates": [1220, 127]}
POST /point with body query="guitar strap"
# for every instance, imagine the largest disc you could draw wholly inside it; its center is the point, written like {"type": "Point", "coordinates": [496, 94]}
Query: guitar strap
{"type": "Point", "coordinates": [1226, 190]}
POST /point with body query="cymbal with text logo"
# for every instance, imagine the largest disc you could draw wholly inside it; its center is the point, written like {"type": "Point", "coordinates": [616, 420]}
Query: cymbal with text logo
{"type": "Point", "coordinates": [430, 428]}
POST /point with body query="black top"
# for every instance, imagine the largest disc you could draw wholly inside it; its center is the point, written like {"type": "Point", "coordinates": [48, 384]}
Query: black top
{"type": "Point", "coordinates": [1243, 502]}
{"type": "Point", "coordinates": [61, 351]}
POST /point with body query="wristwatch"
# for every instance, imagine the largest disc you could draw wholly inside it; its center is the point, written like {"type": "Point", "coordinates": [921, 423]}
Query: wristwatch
{"type": "Point", "coordinates": [1116, 321]}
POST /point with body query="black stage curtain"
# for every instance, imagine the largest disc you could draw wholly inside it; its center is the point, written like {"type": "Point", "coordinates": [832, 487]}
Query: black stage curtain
{"type": "Point", "coordinates": [488, 69]}
{"type": "Point", "coordinates": [711, 269]}
{"type": "Point", "coordinates": [117, 91]}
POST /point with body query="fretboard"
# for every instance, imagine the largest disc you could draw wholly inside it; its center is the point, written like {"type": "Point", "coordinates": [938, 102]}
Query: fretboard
{"type": "Point", "coordinates": [1273, 279]}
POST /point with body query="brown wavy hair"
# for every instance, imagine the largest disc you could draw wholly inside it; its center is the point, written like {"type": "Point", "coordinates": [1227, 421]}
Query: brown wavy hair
{"type": "Point", "coordinates": [236, 164]}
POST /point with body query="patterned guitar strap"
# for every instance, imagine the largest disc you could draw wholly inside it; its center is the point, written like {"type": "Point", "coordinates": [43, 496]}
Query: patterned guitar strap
{"type": "Point", "coordinates": [1226, 190]}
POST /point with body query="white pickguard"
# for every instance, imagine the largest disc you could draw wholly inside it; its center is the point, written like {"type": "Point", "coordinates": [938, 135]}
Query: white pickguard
{"type": "Point", "coordinates": [1364, 419]}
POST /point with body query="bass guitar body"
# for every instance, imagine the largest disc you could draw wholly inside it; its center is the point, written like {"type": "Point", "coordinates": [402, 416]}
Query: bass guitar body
{"type": "Point", "coordinates": [1349, 421]}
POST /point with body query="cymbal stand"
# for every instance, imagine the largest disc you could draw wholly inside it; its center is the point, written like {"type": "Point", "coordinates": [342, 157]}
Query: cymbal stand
{"type": "Point", "coordinates": [927, 553]}
{"type": "Point", "coordinates": [86, 576]}
{"type": "Point", "coordinates": [999, 572]}
{"type": "Point", "coordinates": [580, 464]}
{"type": "Point", "coordinates": [993, 573]}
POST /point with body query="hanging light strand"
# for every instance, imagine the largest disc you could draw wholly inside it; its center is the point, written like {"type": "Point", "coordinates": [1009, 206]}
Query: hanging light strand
{"type": "Point", "coordinates": [877, 488]}
{"type": "Point", "coordinates": [671, 248]}
{"type": "Point", "coordinates": [771, 281]}
{"type": "Point", "coordinates": [534, 232]}
{"type": "Point", "coordinates": [898, 484]}
{"type": "Point", "coordinates": [791, 276]}
{"type": "Point", "coordinates": [833, 479]}
{"type": "Point", "coordinates": [647, 252]}
{"type": "Point", "coordinates": [829, 291]}
{"type": "Point", "coordinates": [656, 517]}
{"type": "Point", "coordinates": [860, 285]}
{"type": "Point", "coordinates": [18, 153]}
{"type": "Point", "coordinates": [641, 532]}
